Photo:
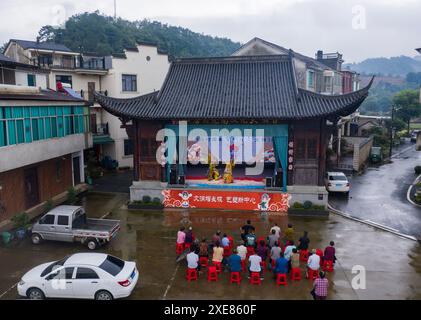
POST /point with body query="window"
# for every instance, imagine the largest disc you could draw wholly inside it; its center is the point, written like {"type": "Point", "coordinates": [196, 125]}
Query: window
{"type": "Point", "coordinates": [54, 266]}
{"type": "Point", "coordinates": [65, 79]}
{"type": "Point", "coordinates": [86, 273]}
{"type": "Point", "coordinates": [63, 220]}
{"type": "Point", "coordinates": [328, 84]}
{"type": "Point", "coordinates": [129, 83]}
{"type": "Point", "coordinates": [128, 147]}
{"type": "Point", "coordinates": [112, 265]}
{"type": "Point", "coordinates": [306, 148]}
{"type": "Point", "coordinates": [48, 219]}
{"type": "Point", "coordinates": [32, 81]}
{"type": "Point", "coordinates": [310, 79]}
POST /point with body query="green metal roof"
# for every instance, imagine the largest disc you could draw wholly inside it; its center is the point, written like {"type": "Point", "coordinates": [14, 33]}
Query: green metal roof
{"type": "Point", "coordinates": [98, 140]}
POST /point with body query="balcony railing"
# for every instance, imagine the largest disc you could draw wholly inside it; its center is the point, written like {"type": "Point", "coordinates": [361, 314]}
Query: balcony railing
{"type": "Point", "coordinates": [77, 62]}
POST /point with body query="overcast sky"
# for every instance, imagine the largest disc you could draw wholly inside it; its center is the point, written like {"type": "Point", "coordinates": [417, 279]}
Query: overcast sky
{"type": "Point", "coordinates": [358, 29]}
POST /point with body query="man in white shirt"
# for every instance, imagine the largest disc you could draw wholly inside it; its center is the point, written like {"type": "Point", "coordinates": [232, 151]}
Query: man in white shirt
{"type": "Point", "coordinates": [242, 251]}
{"type": "Point", "coordinates": [277, 230]}
{"type": "Point", "coordinates": [288, 251]}
{"type": "Point", "coordinates": [313, 262]}
{"type": "Point", "coordinates": [255, 266]}
{"type": "Point", "coordinates": [193, 261]}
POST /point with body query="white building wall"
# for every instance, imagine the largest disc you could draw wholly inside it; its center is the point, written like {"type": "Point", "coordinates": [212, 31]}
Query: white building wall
{"type": "Point", "coordinates": [150, 77]}
{"type": "Point", "coordinates": [22, 78]}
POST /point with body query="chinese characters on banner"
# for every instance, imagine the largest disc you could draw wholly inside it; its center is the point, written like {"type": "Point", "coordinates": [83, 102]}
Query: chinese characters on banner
{"type": "Point", "coordinates": [229, 200]}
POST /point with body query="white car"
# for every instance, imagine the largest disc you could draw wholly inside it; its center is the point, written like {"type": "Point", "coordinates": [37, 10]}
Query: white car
{"type": "Point", "coordinates": [337, 182]}
{"type": "Point", "coordinates": [81, 276]}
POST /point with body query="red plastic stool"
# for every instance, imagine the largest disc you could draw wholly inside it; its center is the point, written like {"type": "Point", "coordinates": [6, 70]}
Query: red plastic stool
{"type": "Point", "coordinates": [204, 262]}
{"type": "Point", "coordinates": [192, 275]}
{"type": "Point", "coordinates": [328, 265]}
{"type": "Point", "coordinates": [218, 266]}
{"type": "Point", "coordinates": [263, 264]}
{"type": "Point", "coordinates": [179, 248]}
{"type": "Point", "coordinates": [243, 265]}
{"type": "Point", "coordinates": [313, 274]}
{"type": "Point", "coordinates": [250, 251]}
{"type": "Point", "coordinates": [235, 277]}
{"type": "Point", "coordinates": [296, 274]}
{"type": "Point", "coordinates": [303, 255]}
{"type": "Point", "coordinates": [255, 278]}
{"type": "Point", "coordinates": [212, 274]}
{"type": "Point", "coordinates": [281, 279]}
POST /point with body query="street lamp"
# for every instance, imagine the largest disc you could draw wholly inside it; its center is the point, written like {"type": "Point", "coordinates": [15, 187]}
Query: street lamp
{"type": "Point", "coordinates": [392, 132]}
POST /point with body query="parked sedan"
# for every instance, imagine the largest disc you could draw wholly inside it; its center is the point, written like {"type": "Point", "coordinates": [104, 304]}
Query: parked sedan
{"type": "Point", "coordinates": [337, 182]}
{"type": "Point", "coordinates": [81, 276]}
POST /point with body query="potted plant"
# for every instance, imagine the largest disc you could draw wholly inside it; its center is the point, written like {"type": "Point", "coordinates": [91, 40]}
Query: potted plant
{"type": "Point", "coordinates": [146, 203]}
{"type": "Point", "coordinates": [307, 209]}
{"type": "Point", "coordinates": [22, 223]}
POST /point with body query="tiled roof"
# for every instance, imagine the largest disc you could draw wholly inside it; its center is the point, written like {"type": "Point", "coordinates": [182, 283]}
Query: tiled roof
{"type": "Point", "coordinates": [41, 45]}
{"type": "Point", "coordinates": [44, 95]}
{"type": "Point", "coordinates": [3, 58]}
{"type": "Point", "coordinates": [245, 87]}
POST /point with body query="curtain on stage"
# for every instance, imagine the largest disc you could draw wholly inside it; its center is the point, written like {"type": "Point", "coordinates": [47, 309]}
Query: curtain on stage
{"type": "Point", "coordinates": [280, 145]}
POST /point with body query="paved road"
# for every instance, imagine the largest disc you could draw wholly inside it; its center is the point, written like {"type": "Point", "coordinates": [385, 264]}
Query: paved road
{"type": "Point", "coordinates": [379, 195]}
{"type": "Point", "coordinates": [116, 182]}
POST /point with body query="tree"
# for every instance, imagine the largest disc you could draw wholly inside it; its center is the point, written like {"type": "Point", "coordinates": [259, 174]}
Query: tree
{"type": "Point", "coordinates": [407, 105]}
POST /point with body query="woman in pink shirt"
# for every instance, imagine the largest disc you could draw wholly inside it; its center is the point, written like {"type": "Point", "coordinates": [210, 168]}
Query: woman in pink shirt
{"type": "Point", "coordinates": [181, 236]}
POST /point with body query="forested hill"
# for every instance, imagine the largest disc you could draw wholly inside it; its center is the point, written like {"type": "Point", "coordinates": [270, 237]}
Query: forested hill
{"type": "Point", "coordinates": [96, 33]}
{"type": "Point", "coordinates": [395, 66]}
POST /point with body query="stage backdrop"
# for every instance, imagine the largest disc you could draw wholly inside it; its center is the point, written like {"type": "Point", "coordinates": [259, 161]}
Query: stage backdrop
{"type": "Point", "coordinates": [229, 200]}
{"type": "Point", "coordinates": [275, 140]}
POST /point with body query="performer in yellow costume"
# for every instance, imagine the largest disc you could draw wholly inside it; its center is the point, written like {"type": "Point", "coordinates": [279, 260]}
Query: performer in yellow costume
{"type": "Point", "coordinates": [213, 173]}
{"type": "Point", "coordinates": [228, 177]}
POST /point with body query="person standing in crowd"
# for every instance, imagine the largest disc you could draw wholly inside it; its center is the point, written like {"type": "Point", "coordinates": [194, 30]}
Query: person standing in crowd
{"type": "Point", "coordinates": [193, 260]}
{"type": "Point", "coordinates": [255, 261]}
{"type": "Point", "coordinates": [329, 253]}
{"type": "Point", "coordinates": [289, 234]}
{"type": "Point", "coordinates": [234, 261]}
{"type": "Point", "coordinates": [277, 230]}
{"type": "Point", "coordinates": [181, 236]}
{"type": "Point", "coordinates": [189, 237]}
{"type": "Point", "coordinates": [321, 286]}
{"type": "Point", "coordinates": [313, 262]}
{"type": "Point", "coordinates": [247, 229]}
{"type": "Point", "coordinates": [304, 242]}
{"type": "Point", "coordinates": [216, 237]}
{"type": "Point", "coordinates": [272, 238]}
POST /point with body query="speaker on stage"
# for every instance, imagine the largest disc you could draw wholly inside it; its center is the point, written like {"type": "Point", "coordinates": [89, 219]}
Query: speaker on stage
{"type": "Point", "coordinates": [173, 177]}
{"type": "Point", "coordinates": [268, 182]}
{"type": "Point", "coordinates": [279, 179]}
{"type": "Point", "coordinates": [182, 180]}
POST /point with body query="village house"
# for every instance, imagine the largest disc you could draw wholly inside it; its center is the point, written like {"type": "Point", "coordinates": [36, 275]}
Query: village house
{"type": "Point", "coordinates": [137, 71]}
{"type": "Point", "coordinates": [244, 92]}
{"type": "Point", "coordinates": [43, 135]}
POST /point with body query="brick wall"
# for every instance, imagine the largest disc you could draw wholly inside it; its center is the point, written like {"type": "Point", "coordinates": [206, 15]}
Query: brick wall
{"type": "Point", "coordinates": [50, 184]}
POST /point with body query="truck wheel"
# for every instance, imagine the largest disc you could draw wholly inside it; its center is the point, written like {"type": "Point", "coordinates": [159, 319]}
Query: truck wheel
{"type": "Point", "coordinates": [92, 244]}
{"type": "Point", "coordinates": [36, 238]}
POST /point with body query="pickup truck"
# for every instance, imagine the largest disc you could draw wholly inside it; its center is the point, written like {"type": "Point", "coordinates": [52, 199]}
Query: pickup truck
{"type": "Point", "coordinates": [70, 224]}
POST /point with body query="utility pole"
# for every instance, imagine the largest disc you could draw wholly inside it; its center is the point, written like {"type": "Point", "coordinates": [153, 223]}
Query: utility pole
{"type": "Point", "coordinates": [115, 10]}
{"type": "Point", "coordinates": [391, 132]}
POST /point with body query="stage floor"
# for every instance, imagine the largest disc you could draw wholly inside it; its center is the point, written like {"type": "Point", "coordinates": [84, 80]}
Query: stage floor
{"type": "Point", "coordinates": [219, 184]}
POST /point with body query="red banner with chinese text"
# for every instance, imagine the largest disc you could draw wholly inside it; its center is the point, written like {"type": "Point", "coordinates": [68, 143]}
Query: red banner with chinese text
{"type": "Point", "coordinates": [228, 200]}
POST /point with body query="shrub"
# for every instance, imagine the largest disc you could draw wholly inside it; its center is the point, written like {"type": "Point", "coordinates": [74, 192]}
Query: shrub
{"type": "Point", "coordinates": [21, 220]}
{"type": "Point", "coordinates": [297, 205]}
{"type": "Point", "coordinates": [319, 207]}
{"type": "Point", "coordinates": [418, 198]}
{"type": "Point", "coordinates": [146, 199]}
{"type": "Point", "coordinates": [71, 195]}
{"type": "Point", "coordinates": [307, 205]}
{"type": "Point", "coordinates": [48, 206]}
{"type": "Point", "coordinates": [156, 200]}
{"type": "Point", "coordinates": [417, 170]}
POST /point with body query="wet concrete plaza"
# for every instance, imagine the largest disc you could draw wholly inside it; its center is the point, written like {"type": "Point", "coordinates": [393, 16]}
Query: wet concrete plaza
{"type": "Point", "coordinates": [392, 264]}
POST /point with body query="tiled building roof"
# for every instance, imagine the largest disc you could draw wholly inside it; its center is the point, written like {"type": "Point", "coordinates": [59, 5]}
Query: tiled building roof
{"type": "Point", "coordinates": [41, 45]}
{"type": "Point", "coordinates": [245, 87]}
